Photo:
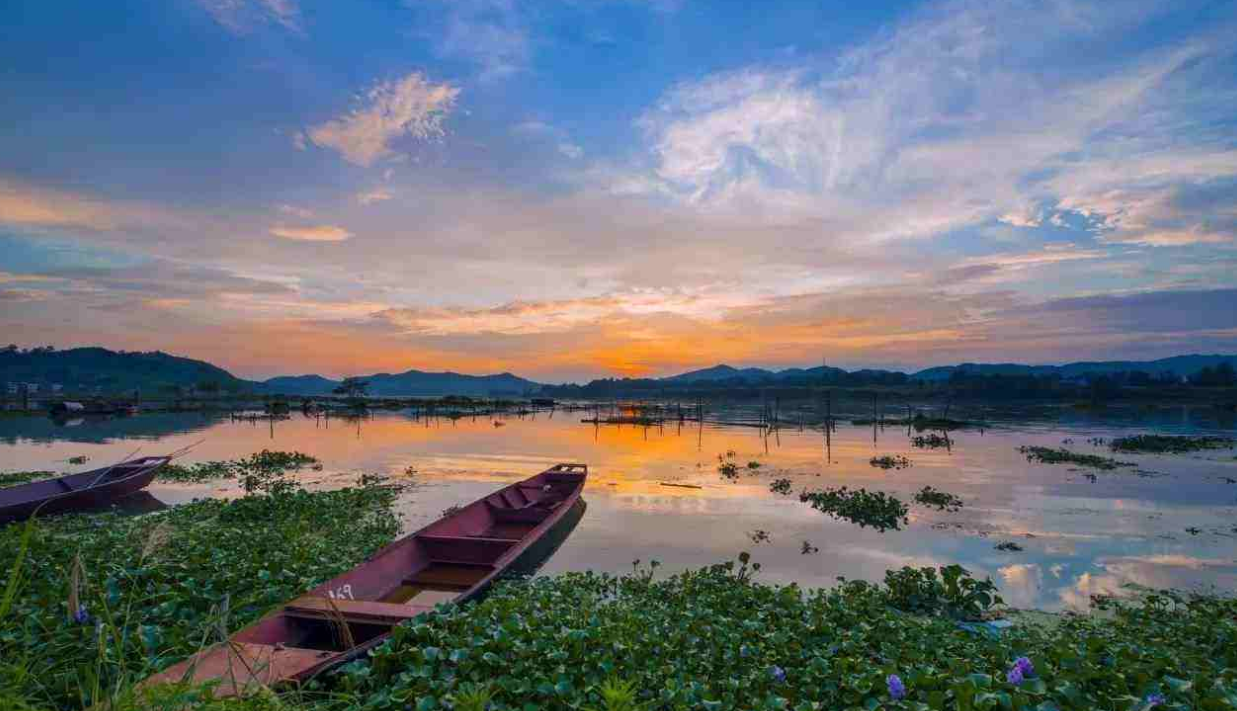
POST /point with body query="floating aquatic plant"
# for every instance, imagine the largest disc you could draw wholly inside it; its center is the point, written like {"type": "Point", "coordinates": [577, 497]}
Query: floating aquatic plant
{"type": "Point", "coordinates": [780, 486]}
{"type": "Point", "coordinates": [888, 461]}
{"type": "Point", "coordinates": [1169, 444]}
{"type": "Point", "coordinates": [941, 500]}
{"type": "Point", "coordinates": [866, 508]}
{"type": "Point", "coordinates": [1048, 455]}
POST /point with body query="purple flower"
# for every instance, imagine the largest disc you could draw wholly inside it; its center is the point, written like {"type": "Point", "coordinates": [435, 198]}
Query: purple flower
{"type": "Point", "coordinates": [81, 616]}
{"type": "Point", "coordinates": [778, 674]}
{"type": "Point", "coordinates": [897, 690]}
{"type": "Point", "coordinates": [1015, 675]}
{"type": "Point", "coordinates": [1154, 700]}
{"type": "Point", "coordinates": [1025, 666]}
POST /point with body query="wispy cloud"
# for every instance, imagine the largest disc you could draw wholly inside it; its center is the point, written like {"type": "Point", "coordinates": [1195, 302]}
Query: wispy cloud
{"type": "Point", "coordinates": [25, 205]}
{"type": "Point", "coordinates": [950, 121]}
{"type": "Point", "coordinates": [242, 16]}
{"type": "Point", "coordinates": [409, 107]}
{"type": "Point", "coordinates": [312, 233]}
{"type": "Point", "coordinates": [491, 34]}
{"type": "Point", "coordinates": [369, 197]}
{"type": "Point", "coordinates": [296, 211]}
{"type": "Point", "coordinates": [32, 206]}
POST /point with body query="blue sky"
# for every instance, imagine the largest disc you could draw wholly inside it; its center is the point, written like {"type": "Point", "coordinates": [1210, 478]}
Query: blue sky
{"type": "Point", "coordinates": [576, 188]}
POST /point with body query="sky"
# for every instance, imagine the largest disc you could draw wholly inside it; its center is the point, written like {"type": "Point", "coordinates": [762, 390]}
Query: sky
{"type": "Point", "coordinates": [571, 189]}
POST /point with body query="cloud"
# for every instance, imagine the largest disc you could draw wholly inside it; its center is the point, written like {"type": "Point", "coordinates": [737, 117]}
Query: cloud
{"type": "Point", "coordinates": [242, 16]}
{"type": "Point", "coordinates": [312, 233]}
{"type": "Point", "coordinates": [408, 107]}
{"type": "Point", "coordinates": [492, 34]}
{"type": "Point", "coordinates": [370, 197]}
{"type": "Point", "coordinates": [955, 118]}
{"type": "Point", "coordinates": [1050, 254]}
{"type": "Point", "coordinates": [25, 205]}
{"type": "Point", "coordinates": [570, 150]}
{"type": "Point", "coordinates": [302, 212]}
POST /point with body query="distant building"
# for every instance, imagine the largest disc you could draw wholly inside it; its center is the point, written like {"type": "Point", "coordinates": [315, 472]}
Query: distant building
{"type": "Point", "coordinates": [12, 387]}
{"type": "Point", "coordinates": [57, 387]}
{"type": "Point", "coordinates": [66, 408]}
{"type": "Point", "coordinates": [32, 388]}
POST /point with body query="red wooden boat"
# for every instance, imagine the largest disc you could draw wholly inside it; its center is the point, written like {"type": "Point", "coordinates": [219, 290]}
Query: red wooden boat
{"type": "Point", "coordinates": [452, 560]}
{"type": "Point", "coordinates": [78, 492]}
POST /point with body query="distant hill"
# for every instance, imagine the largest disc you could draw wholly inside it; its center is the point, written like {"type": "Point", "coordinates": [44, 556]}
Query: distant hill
{"type": "Point", "coordinates": [87, 369]}
{"type": "Point", "coordinates": [299, 385]}
{"type": "Point", "coordinates": [753, 376]}
{"type": "Point", "coordinates": [1177, 365]}
{"type": "Point", "coordinates": [83, 370]}
{"type": "Point", "coordinates": [721, 372]}
{"type": "Point", "coordinates": [412, 382]}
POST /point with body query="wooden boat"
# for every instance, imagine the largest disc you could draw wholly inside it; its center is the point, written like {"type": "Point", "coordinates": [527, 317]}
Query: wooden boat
{"type": "Point", "coordinates": [452, 560]}
{"type": "Point", "coordinates": [78, 492]}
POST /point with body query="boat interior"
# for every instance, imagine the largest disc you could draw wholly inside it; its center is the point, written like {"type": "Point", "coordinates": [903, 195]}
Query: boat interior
{"type": "Point", "coordinates": [439, 563]}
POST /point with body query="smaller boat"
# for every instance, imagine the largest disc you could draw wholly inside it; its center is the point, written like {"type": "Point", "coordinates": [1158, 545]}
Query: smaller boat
{"type": "Point", "coordinates": [453, 560]}
{"type": "Point", "coordinates": [94, 489]}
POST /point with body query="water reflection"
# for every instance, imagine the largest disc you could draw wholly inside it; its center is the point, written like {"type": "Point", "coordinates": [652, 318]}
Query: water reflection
{"type": "Point", "coordinates": [1080, 537]}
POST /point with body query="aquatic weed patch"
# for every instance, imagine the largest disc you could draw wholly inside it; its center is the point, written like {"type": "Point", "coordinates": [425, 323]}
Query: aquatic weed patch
{"type": "Point", "coordinates": [710, 639]}
{"type": "Point", "coordinates": [780, 486]}
{"type": "Point", "coordinates": [866, 508]}
{"type": "Point", "coordinates": [930, 441]}
{"type": "Point", "coordinates": [953, 593]}
{"type": "Point", "coordinates": [895, 461]}
{"type": "Point", "coordinates": [1168, 444]}
{"type": "Point", "coordinates": [941, 500]}
{"type": "Point", "coordinates": [15, 478]}
{"type": "Point", "coordinates": [1048, 455]}
{"type": "Point", "coordinates": [105, 600]}
{"type": "Point", "coordinates": [264, 464]}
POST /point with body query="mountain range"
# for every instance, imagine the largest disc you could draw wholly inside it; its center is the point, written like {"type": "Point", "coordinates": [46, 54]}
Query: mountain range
{"type": "Point", "coordinates": [79, 369]}
{"type": "Point", "coordinates": [1183, 365]}
{"type": "Point", "coordinates": [411, 382]}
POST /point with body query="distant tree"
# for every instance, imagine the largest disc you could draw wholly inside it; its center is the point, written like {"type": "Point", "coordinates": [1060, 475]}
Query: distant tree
{"type": "Point", "coordinates": [208, 386]}
{"type": "Point", "coordinates": [1220, 376]}
{"type": "Point", "coordinates": [352, 387]}
{"type": "Point", "coordinates": [11, 348]}
{"type": "Point", "coordinates": [1102, 388]}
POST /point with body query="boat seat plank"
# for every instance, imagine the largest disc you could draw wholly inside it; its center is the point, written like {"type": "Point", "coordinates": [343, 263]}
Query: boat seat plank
{"type": "Point", "coordinates": [353, 610]}
{"type": "Point", "coordinates": [464, 550]}
{"type": "Point", "coordinates": [449, 574]}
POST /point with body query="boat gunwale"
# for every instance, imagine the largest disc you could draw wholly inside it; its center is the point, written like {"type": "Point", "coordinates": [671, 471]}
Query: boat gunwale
{"type": "Point", "coordinates": [502, 565]}
{"type": "Point", "coordinates": [9, 507]}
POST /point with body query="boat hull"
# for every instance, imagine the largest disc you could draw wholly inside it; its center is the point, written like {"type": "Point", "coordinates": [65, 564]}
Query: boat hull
{"type": "Point", "coordinates": [454, 560]}
{"type": "Point", "coordinates": [87, 491]}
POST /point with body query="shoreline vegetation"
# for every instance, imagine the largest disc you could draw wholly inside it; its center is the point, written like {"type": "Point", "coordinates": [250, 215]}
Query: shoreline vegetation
{"type": "Point", "coordinates": [104, 601]}
{"type": "Point", "coordinates": [94, 603]}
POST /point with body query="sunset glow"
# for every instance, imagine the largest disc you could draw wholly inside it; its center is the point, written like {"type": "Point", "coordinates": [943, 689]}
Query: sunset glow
{"type": "Point", "coordinates": [569, 190]}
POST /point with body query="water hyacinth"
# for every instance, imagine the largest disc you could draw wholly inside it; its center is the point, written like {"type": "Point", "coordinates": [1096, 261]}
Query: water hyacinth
{"type": "Point", "coordinates": [81, 615]}
{"type": "Point", "coordinates": [1025, 666]}
{"type": "Point", "coordinates": [897, 690]}
{"type": "Point", "coordinates": [1154, 700]}
{"type": "Point", "coordinates": [1014, 676]}
{"type": "Point", "coordinates": [778, 674]}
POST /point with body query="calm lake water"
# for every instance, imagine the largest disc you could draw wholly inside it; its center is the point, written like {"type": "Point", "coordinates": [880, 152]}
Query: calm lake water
{"type": "Point", "coordinates": [1171, 525]}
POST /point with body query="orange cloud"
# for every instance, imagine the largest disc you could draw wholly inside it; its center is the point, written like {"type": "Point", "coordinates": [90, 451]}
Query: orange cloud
{"type": "Point", "coordinates": [312, 233]}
